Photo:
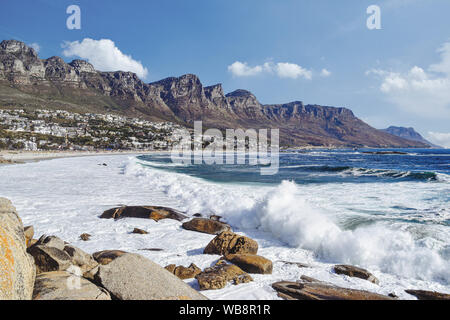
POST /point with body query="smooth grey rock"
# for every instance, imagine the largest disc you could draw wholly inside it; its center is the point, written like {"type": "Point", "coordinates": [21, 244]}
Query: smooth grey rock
{"type": "Point", "coordinates": [133, 277]}
{"type": "Point", "coordinates": [63, 285]}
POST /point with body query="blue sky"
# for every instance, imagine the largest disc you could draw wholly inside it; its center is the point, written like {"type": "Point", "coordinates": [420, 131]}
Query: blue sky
{"type": "Point", "coordinates": [399, 75]}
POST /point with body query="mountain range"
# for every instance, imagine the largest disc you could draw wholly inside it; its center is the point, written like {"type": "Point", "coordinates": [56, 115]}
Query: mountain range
{"type": "Point", "coordinates": [26, 81]}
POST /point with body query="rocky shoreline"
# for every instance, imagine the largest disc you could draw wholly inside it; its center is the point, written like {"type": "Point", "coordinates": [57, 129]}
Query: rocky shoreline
{"type": "Point", "coordinates": [49, 268]}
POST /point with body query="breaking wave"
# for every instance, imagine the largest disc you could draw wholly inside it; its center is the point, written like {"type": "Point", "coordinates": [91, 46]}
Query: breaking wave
{"type": "Point", "coordinates": [366, 172]}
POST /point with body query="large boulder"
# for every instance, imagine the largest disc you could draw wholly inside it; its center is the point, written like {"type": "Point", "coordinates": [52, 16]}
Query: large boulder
{"type": "Point", "coordinates": [49, 259]}
{"type": "Point", "coordinates": [353, 271]}
{"type": "Point", "coordinates": [133, 277]}
{"type": "Point", "coordinates": [218, 276]}
{"type": "Point", "coordinates": [228, 242]}
{"type": "Point", "coordinates": [182, 272]}
{"type": "Point", "coordinates": [145, 212]}
{"type": "Point", "coordinates": [321, 291]}
{"type": "Point", "coordinates": [63, 285]}
{"type": "Point", "coordinates": [17, 270]}
{"type": "Point", "coordinates": [206, 226]}
{"type": "Point", "coordinates": [251, 263]}
{"type": "Point", "coordinates": [428, 295]}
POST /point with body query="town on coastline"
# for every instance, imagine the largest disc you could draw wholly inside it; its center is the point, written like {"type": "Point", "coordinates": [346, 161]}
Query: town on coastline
{"type": "Point", "coordinates": [55, 130]}
{"type": "Point", "coordinates": [59, 130]}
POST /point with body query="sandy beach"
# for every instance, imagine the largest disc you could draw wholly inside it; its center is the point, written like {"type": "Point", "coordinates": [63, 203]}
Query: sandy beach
{"type": "Point", "coordinates": [15, 157]}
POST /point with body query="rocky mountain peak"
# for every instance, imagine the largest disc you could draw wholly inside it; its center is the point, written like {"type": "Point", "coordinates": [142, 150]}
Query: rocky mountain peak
{"type": "Point", "coordinates": [243, 100]}
{"type": "Point", "coordinates": [184, 81]}
{"type": "Point", "coordinates": [19, 63]}
{"type": "Point", "coordinates": [82, 66]}
{"type": "Point", "coordinates": [56, 69]}
{"type": "Point", "coordinates": [55, 61]}
{"type": "Point", "coordinates": [17, 48]}
{"type": "Point", "coordinates": [409, 134]}
{"type": "Point", "coordinates": [215, 91]}
{"type": "Point", "coordinates": [240, 93]}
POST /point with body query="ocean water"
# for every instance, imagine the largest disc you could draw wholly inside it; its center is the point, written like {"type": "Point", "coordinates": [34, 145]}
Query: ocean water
{"type": "Point", "coordinates": [389, 214]}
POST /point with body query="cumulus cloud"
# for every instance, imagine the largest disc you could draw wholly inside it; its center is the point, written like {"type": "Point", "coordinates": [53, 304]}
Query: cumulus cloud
{"type": "Point", "coordinates": [104, 56]}
{"type": "Point", "coordinates": [280, 69]}
{"type": "Point", "coordinates": [241, 69]}
{"type": "Point", "coordinates": [35, 46]}
{"type": "Point", "coordinates": [292, 70]}
{"type": "Point", "coordinates": [425, 92]}
{"type": "Point", "coordinates": [439, 138]}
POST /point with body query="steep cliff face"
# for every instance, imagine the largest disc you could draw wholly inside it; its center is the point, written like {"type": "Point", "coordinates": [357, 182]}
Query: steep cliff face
{"type": "Point", "coordinates": [29, 82]}
{"type": "Point", "coordinates": [20, 64]}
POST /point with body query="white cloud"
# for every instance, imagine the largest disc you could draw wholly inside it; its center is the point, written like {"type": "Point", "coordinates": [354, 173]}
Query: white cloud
{"type": "Point", "coordinates": [441, 139]}
{"type": "Point", "coordinates": [35, 46]}
{"type": "Point", "coordinates": [292, 70]}
{"type": "Point", "coordinates": [444, 65]}
{"type": "Point", "coordinates": [325, 73]}
{"type": "Point", "coordinates": [378, 72]}
{"type": "Point", "coordinates": [104, 56]}
{"type": "Point", "coordinates": [425, 93]}
{"type": "Point", "coordinates": [241, 69]}
{"type": "Point", "coordinates": [281, 69]}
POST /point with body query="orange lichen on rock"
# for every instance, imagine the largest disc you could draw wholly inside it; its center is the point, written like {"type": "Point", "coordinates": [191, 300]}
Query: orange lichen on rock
{"type": "Point", "coordinates": [17, 270]}
{"type": "Point", "coordinates": [6, 263]}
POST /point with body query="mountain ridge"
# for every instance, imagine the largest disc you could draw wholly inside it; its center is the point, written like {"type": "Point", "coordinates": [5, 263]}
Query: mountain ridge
{"type": "Point", "coordinates": [409, 134]}
{"type": "Point", "coordinates": [29, 82]}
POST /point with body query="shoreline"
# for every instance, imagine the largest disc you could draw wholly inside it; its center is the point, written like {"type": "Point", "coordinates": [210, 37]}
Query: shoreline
{"type": "Point", "coordinates": [10, 157]}
{"type": "Point", "coordinates": [19, 157]}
